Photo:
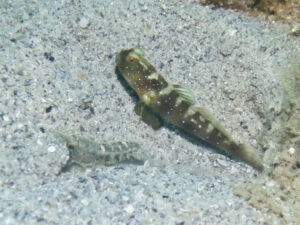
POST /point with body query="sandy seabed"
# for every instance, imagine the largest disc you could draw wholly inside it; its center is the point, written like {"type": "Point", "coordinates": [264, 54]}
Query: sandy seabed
{"type": "Point", "coordinates": [57, 73]}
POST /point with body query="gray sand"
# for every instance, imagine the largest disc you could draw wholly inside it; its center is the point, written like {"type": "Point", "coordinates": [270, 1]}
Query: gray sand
{"type": "Point", "coordinates": [57, 73]}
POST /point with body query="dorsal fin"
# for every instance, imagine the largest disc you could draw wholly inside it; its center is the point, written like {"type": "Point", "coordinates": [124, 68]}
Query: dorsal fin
{"type": "Point", "coordinates": [185, 93]}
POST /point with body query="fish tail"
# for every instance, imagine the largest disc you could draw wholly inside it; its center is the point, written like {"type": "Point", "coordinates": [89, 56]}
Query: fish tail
{"type": "Point", "coordinates": [251, 156]}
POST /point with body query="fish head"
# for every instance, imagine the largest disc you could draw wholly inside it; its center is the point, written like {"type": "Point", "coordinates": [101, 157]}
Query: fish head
{"type": "Point", "coordinates": [135, 69]}
{"type": "Point", "coordinates": [128, 63]}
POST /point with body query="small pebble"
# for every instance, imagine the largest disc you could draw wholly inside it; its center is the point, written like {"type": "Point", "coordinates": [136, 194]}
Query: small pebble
{"type": "Point", "coordinates": [129, 209]}
{"type": "Point", "coordinates": [39, 142]}
{"type": "Point", "coordinates": [83, 22]}
{"type": "Point", "coordinates": [51, 149]}
{"type": "Point", "coordinates": [19, 125]}
{"type": "Point", "coordinates": [292, 150]}
{"type": "Point", "coordinates": [85, 202]}
{"type": "Point", "coordinates": [125, 198]}
{"type": "Point", "coordinates": [6, 118]}
{"type": "Point", "coordinates": [270, 184]}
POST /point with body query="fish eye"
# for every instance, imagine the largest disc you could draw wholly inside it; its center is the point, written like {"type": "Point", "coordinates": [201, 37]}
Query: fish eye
{"type": "Point", "coordinates": [131, 58]}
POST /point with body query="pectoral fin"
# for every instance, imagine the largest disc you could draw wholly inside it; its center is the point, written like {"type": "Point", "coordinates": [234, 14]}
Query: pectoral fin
{"type": "Point", "coordinates": [147, 115]}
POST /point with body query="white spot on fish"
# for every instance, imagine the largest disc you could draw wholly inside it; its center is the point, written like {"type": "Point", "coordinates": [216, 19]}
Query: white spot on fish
{"type": "Point", "coordinates": [194, 121]}
{"type": "Point", "coordinates": [210, 128]}
{"type": "Point", "coordinates": [178, 101]}
{"type": "Point", "coordinates": [219, 134]}
{"type": "Point", "coordinates": [148, 96]}
{"type": "Point", "coordinates": [152, 93]}
{"type": "Point", "coordinates": [201, 119]}
{"type": "Point", "coordinates": [167, 90]}
{"type": "Point", "coordinates": [191, 111]}
{"type": "Point", "coordinates": [154, 76]}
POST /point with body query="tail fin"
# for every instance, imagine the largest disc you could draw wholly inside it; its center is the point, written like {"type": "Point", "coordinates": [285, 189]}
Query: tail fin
{"type": "Point", "coordinates": [251, 156]}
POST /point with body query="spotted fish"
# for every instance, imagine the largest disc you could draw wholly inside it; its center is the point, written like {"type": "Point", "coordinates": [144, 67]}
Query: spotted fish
{"type": "Point", "coordinates": [175, 104]}
{"type": "Point", "coordinates": [88, 153]}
